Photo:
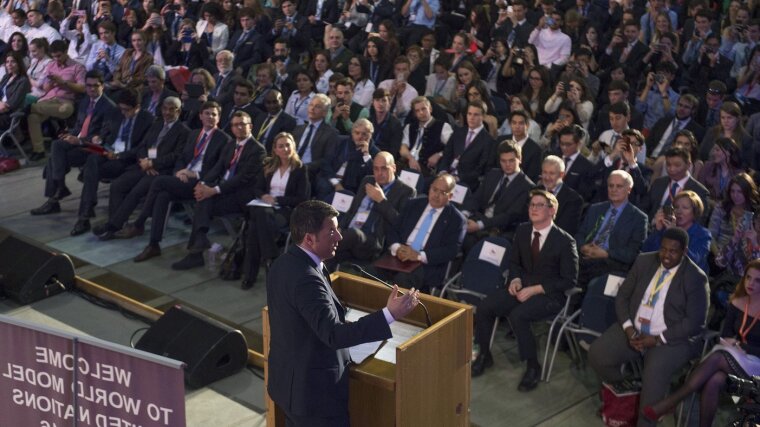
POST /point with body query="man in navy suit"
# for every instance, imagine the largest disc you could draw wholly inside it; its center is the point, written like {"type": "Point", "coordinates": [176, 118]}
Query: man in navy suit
{"type": "Point", "coordinates": [308, 356]}
{"type": "Point", "coordinates": [316, 140]}
{"type": "Point", "coordinates": [678, 163]}
{"type": "Point", "coordinates": [579, 171]}
{"type": "Point", "coordinates": [67, 151]}
{"type": "Point", "coordinates": [531, 153]}
{"type": "Point", "coordinates": [350, 163]}
{"type": "Point", "coordinates": [543, 265]}
{"type": "Point", "coordinates": [201, 153]}
{"type": "Point", "coordinates": [228, 188]}
{"type": "Point", "coordinates": [612, 232]}
{"type": "Point", "coordinates": [429, 230]}
{"type": "Point", "coordinates": [469, 153]}
{"type": "Point", "coordinates": [267, 125]}
{"type": "Point", "coordinates": [292, 27]}
{"type": "Point", "coordinates": [247, 44]}
{"type": "Point", "coordinates": [570, 202]}
{"type": "Point", "coordinates": [242, 100]}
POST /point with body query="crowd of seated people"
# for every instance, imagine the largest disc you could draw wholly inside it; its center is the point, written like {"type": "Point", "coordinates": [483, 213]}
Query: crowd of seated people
{"type": "Point", "coordinates": [629, 133]}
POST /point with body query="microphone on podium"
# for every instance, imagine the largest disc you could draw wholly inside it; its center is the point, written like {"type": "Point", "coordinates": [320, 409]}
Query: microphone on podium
{"type": "Point", "coordinates": [373, 277]}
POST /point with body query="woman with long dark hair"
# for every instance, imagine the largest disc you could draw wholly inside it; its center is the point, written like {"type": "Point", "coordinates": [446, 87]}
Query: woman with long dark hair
{"type": "Point", "coordinates": [730, 126]}
{"type": "Point", "coordinates": [281, 186]}
{"type": "Point", "coordinates": [740, 200]}
{"type": "Point", "coordinates": [725, 162]}
{"type": "Point", "coordinates": [13, 87]}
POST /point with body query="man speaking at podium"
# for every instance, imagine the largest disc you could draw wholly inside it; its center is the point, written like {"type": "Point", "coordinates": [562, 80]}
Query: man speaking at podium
{"type": "Point", "coordinates": [308, 357]}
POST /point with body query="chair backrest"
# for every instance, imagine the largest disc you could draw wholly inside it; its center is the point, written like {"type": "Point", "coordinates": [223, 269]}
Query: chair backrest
{"type": "Point", "coordinates": [483, 276]}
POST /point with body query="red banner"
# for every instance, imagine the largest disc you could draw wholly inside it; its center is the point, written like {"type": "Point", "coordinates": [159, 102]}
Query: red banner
{"type": "Point", "coordinates": [50, 378]}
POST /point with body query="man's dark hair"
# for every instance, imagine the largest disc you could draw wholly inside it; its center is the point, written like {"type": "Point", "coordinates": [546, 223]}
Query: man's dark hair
{"type": "Point", "coordinates": [92, 74]}
{"type": "Point", "coordinates": [632, 23]}
{"type": "Point", "coordinates": [211, 104]}
{"type": "Point", "coordinates": [508, 146]}
{"type": "Point", "coordinates": [108, 26]}
{"type": "Point", "coordinates": [704, 13]}
{"type": "Point", "coordinates": [678, 152]}
{"type": "Point", "coordinates": [677, 234]}
{"type": "Point", "coordinates": [245, 83]}
{"type": "Point", "coordinates": [620, 85]}
{"type": "Point", "coordinates": [380, 93]}
{"type": "Point", "coordinates": [308, 217]}
{"type": "Point", "coordinates": [570, 130]}
{"type": "Point", "coordinates": [666, 67]}
{"type": "Point", "coordinates": [128, 97]}
{"type": "Point", "coordinates": [247, 12]}
{"type": "Point", "coordinates": [522, 114]}
{"type": "Point", "coordinates": [620, 108]}
{"type": "Point", "coordinates": [58, 46]}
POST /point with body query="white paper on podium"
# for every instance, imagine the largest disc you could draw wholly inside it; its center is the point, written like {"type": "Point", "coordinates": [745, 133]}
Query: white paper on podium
{"type": "Point", "coordinates": [459, 192]}
{"type": "Point", "coordinates": [409, 178]}
{"type": "Point", "coordinates": [492, 253]}
{"type": "Point", "coordinates": [612, 285]}
{"type": "Point", "coordinates": [402, 332]}
{"type": "Point", "coordinates": [259, 202]}
{"type": "Point", "coordinates": [342, 202]}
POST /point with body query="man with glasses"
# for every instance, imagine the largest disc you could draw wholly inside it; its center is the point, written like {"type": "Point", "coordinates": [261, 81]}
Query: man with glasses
{"type": "Point", "coordinates": [664, 130]}
{"type": "Point", "coordinates": [105, 53]}
{"type": "Point", "coordinates": [156, 155]}
{"type": "Point", "coordinates": [68, 151]}
{"type": "Point", "coordinates": [351, 161]}
{"type": "Point", "coordinates": [272, 121]}
{"type": "Point", "coordinates": [543, 265]}
{"type": "Point", "coordinates": [227, 188]}
{"type": "Point", "coordinates": [429, 230]}
{"type": "Point", "coordinates": [64, 82]}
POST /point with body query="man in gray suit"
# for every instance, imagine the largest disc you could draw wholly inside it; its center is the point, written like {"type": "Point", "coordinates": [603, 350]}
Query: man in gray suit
{"type": "Point", "coordinates": [661, 309]}
{"type": "Point", "coordinates": [316, 140]}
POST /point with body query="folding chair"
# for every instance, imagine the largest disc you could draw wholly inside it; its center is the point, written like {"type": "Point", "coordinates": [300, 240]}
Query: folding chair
{"type": "Point", "coordinates": [10, 133]}
{"type": "Point", "coordinates": [560, 319]}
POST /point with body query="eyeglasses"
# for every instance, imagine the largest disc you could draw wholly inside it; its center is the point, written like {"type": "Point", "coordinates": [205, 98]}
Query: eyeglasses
{"type": "Point", "coordinates": [434, 190]}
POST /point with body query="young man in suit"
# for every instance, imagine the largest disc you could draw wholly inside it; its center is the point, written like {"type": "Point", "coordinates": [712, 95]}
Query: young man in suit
{"type": "Point", "coordinates": [308, 357]}
{"type": "Point", "coordinates": [227, 189]}
{"type": "Point", "coordinates": [570, 202]}
{"type": "Point", "coordinates": [532, 155]}
{"type": "Point", "coordinates": [269, 123]}
{"type": "Point", "coordinates": [617, 91]}
{"type": "Point", "coordinates": [292, 27]}
{"type": "Point", "coordinates": [500, 203]}
{"type": "Point", "coordinates": [664, 130]}
{"type": "Point", "coordinates": [373, 211]}
{"type": "Point", "coordinates": [67, 151]}
{"type": "Point", "coordinates": [429, 230]}
{"type": "Point", "coordinates": [201, 153]}
{"type": "Point", "coordinates": [579, 171]}
{"type": "Point", "coordinates": [612, 231]}
{"type": "Point", "coordinates": [661, 309]}
{"type": "Point", "coordinates": [677, 164]}
{"type": "Point", "coordinates": [157, 154]}
{"type": "Point", "coordinates": [242, 100]}
{"type": "Point", "coordinates": [248, 45]}
{"type": "Point", "coordinates": [626, 50]}
{"type": "Point", "coordinates": [543, 265]}
{"type": "Point", "coordinates": [469, 153]}
{"type": "Point", "coordinates": [121, 141]}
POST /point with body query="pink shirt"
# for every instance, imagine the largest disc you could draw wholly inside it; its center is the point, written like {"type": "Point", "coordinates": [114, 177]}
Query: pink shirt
{"type": "Point", "coordinates": [72, 71]}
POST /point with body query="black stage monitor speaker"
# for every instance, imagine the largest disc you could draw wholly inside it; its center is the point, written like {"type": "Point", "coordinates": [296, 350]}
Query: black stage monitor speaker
{"type": "Point", "coordinates": [210, 349]}
{"type": "Point", "coordinates": [29, 273]}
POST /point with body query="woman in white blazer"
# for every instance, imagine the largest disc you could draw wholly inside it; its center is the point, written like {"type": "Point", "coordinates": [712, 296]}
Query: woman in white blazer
{"type": "Point", "coordinates": [211, 27]}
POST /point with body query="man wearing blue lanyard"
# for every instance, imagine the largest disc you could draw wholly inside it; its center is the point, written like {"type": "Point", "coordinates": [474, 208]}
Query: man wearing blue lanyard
{"type": "Point", "coordinates": [661, 309]}
{"type": "Point", "coordinates": [373, 210]}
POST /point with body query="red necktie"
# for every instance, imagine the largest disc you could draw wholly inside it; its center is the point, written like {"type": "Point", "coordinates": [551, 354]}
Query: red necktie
{"type": "Point", "coordinates": [535, 246]}
{"type": "Point", "coordinates": [86, 125]}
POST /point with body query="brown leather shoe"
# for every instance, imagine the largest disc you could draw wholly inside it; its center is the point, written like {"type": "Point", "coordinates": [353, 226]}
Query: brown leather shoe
{"type": "Point", "coordinates": [149, 252]}
{"type": "Point", "coordinates": [129, 231]}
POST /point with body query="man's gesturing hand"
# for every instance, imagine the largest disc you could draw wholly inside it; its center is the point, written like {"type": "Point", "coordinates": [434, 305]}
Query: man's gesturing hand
{"type": "Point", "coordinates": [401, 305]}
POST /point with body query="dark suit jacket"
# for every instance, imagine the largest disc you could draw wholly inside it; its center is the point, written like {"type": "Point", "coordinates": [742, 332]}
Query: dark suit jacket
{"type": "Point", "coordinates": [641, 175]}
{"type": "Point", "coordinates": [388, 134]}
{"type": "Point", "coordinates": [660, 126]}
{"type": "Point", "coordinates": [626, 237]}
{"type": "Point", "coordinates": [323, 144]}
{"type": "Point", "coordinates": [522, 32]}
{"type": "Point", "coordinates": [229, 109]}
{"type": "Point", "coordinates": [284, 123]}
{"type": "Point", "coordinates": [104, 108]}
{"type": "Point", "coordinates": [602, 122]}
{"type": "Point", "coordinates": [147, 95]}
{"type": "Point", "coordinates": [214, 148]}
{"type": "Point", "coordinates": [444, 240]}
{"type": "Point", "coordinates": [570, 208]}
{"type": "Point", "coordinates": [169, 149]}
{"type": "Point", "coordinates": [301, 40]}
{"type": "Point", "coordinates": [252, 50]}
{"type": "Point", "coordinates": [356, 167]}
{"type": "Point", "coordinates": [330, 10]}
{"type": "Point", "coordinates": [532, 156]}
{"type": "Point", "coordinates": [297, 189]}
{"type": "Point", "coordinates": [16, 91]}
{"type": "Point", "coordinates": [142, 122]}
{"type": "Point", "coordinates": [633, 63]}
{"type": "Point", "coordinates": [474, 161]}
{"type": "Point", "coordinates": [652, 202]}
{"type": "Point", "coordinates": [308, 356]}
{"type": "Point", "coordinates": [226, 88]}
{"type": "Point", "coordinates": [557, 266]}
{"type": "Point", "coordinates": [510, 209]}
{"type": "Point", "coordinates": [686, 303]}
{"type": "Point", "coordinates": [580, 177]}
{"type": "Point", "coordinates": [248, 168]}
{"type": "Point", "coordinates": [383, 214]}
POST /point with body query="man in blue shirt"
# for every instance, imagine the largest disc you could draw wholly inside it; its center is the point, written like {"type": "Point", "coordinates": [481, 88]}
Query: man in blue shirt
{"type": "Point", "coordinates": [420, 15]}
{"type": "Point", "coordinates": [657, 98]}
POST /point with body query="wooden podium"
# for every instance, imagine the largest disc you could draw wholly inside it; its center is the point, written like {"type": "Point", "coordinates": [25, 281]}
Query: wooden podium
{"type": "Point", "coordinates": [430, 383]}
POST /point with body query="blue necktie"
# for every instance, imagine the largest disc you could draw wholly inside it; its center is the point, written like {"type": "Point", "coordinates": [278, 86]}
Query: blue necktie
{"type": "Point", "coordinates": [672, 193]}
{"type": "Point", "coordinates": [645, 327]}
{"type": "Point", "coordinates": [126, 132]}
{"type": "Point", "coordinates": [602, 239]}
{"type": "Point", "coordinates": [423, 231]}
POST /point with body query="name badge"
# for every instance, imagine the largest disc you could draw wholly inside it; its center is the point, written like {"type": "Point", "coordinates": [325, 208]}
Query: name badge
{"type": "Point", "coordinates": [361, 218]}
{"type": "Point", "coordinates": [152, 153]}
{"type": "Point", "coordinates": [645, 313]}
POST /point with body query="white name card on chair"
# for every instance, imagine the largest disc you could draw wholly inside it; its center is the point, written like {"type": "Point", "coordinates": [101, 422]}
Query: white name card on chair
{"type": "Point", "coordinates": [342, 202]}
{"type": "Point", "coordinates": [492, 253]}
{"type": "Point", "coordinates": [612, 285]}
{"type": "Point", "coordinates": [409, 178]}
{"type": "Point", "coordinates": [459, 192]}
